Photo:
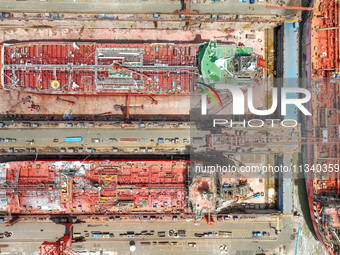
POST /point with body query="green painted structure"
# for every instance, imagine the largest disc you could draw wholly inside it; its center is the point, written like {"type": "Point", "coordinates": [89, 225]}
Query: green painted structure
{"type": "Point", "coordinates": [227, 64]}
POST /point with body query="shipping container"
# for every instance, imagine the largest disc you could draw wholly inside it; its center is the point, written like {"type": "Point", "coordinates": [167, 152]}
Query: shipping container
{"type": "Point", "coordinates": [128, 139]}
{"type": "Point", "coordinates": [73, 139]}
{"type": "Point", "coordinates": [198, 141]}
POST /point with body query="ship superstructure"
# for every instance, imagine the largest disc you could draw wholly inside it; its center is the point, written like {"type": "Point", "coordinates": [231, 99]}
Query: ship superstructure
{"type": "Point", "coordinates": [227, 64]}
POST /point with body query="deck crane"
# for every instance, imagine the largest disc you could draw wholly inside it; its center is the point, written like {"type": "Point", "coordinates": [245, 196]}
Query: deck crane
{"type": "Point", "coordinates": [219, 140]}
{"type": "Point", "coordinates": [119, 66]}
{"type": "Point", "coordinates": [105, 114]}
{"type": "Point", "coordinates": [153, 101]}
{"type": "Point", "coordinates": [65, 100]}
{"type": "Point", "coordinates": [23, 101]}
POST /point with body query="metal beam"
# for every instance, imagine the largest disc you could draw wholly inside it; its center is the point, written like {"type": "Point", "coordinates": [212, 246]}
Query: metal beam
{"type": "Point", "coordinates": [298, 8]}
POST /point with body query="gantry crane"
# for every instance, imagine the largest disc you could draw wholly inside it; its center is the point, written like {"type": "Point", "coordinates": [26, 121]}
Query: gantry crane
{"type": "Point", "coordinates": [63, 245]}
{"type": "Point", "coordinates": [60, 247]}
{"type": "Point", "coordinates": [297, 8]}
{"type": "Point", "coordinates": [186, 8]}
{"type": "Point", "coordinates": [220, 140]}
{"type": "Point", "coordinates": [126, 109]}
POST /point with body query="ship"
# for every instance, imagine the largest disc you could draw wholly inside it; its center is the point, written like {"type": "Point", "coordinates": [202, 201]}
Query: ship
{"type": "Point", "coordinates": [93, 187]}
{"type": "Point", "coordinates": [81, 68]}
{"type": "Point", "coordinates": [322, 179]}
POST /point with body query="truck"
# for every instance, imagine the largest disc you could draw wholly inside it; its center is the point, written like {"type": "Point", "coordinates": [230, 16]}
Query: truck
{"type": "Point", "coordinates": [128, 139]}
{"type": "Point", "coordinates": [225, 233]}
{"type": "Point", "coordinates": [161, 234]}
{"type": "Point", "coordinates": [73, 139]}
{"type": "Point", "coordinates": [76, 235]}
{"type": "Point", "coordinates": [257, 234]}
{"type": "Point", "coordinates": [106, 235]}
{"type": "Point", "coordinates": [30, 142]}
{"type": "Point", "coordinates": [130, 234]}
{"type": "Point", "coordinates": [97, 234]}
{"type": "Point", "coordinates": [182, 233]}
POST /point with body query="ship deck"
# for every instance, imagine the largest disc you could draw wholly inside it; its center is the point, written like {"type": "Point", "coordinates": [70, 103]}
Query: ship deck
{"type": "Point", "coordinates": [324, 183]}
{"type": "Point", "coordinates": [95, 68]}
{"type": "Point", "coordinates": [55, 187]}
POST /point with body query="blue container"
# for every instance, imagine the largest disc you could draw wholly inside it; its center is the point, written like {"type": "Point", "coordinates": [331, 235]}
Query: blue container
{"type": "Point", "coordinates": [73, 139]}
{"type": "Point", "coordinates": [257, 195]}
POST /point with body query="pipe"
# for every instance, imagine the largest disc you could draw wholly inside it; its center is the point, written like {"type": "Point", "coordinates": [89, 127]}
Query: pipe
{"type": "Point", "coordinates": [297, 241]}
{"type": "Point", "coordinates": [329, 28]}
